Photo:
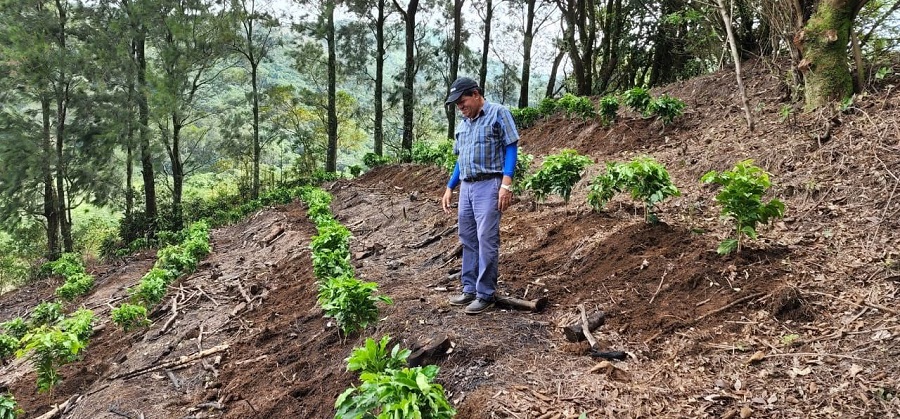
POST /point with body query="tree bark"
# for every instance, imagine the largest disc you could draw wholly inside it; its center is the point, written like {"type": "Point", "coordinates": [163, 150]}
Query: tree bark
{"type": "Point", "coordinates": [455, 51]}
{"type": "Point", "coordinates": [823, 44]}
{"type": "Point", "coordinates": [736, 56]}
{"type": "Point", "coordinates": [486, 45]}
{"type": "Point", "coordinates": [409, 77]}
{"type": "Point", "coordinates": [527, 41]}
{"type": "Point", "coordinates": [50, 208]}
{"type": "Point", "coordinates": [331, 159]}
{"type": "Point", "coordinates": [379, 79]}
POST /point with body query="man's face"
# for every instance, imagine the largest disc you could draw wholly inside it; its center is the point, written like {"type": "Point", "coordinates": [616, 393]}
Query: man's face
{"type": "Point", "coordinates": [470, 105]}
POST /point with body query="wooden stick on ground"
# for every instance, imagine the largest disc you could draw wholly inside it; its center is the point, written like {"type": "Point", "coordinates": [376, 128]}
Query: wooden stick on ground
{"type": "Point", "coordinates": [731, 304]}
{"type": "Point", "coordinates": [59, 408]}
{"type": "Point", "coordinates": [585, 327]}
{"type": "Point", "coordinates": [173, 363]}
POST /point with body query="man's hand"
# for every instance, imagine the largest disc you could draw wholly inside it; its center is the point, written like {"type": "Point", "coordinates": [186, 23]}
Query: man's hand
{"type": "Point", "coordinates": [504, 197]}
{"type": "Point", "coordinates": [445, 201]}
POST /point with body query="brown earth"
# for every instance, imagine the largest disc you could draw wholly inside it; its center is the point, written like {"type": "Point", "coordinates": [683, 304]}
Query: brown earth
{"type": "Point", "coordinates": [815, 295]}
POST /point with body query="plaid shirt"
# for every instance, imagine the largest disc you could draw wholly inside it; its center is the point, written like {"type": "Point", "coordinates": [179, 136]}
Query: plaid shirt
{"type": "Point", "coordinates": [481, 142]}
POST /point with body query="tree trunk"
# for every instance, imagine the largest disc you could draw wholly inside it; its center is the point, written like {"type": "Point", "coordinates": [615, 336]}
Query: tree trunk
{"type": "Point", "coordinates": [331, 159]}
{"type": "Point", "coordinates": [486, 45]}
{"type": "Point", "coordinates": [455, 48]}
{"type": "Point", "coordinates": [257, 148]}
{"type": "Point", "coordinates": [823, 45]}
{"type": "Point", "coordinates": [129, 154]}
{"type": "Point", "coordinates": [551, 83]}
{"type": "Point", "coordinates": [409, 77]}
{"type": "Point", "coordinates": [379, 80]}
{"type": "Point", "coordinates": [177, 174]}
{"type": "Point", "coordinates": [736, 56]}
{"type": "Point", "coordinates": [528, 38]}
{"type": "Point", "coordinates": [150, 210]}
{"type": "Point", "coordinates": [50, 208]}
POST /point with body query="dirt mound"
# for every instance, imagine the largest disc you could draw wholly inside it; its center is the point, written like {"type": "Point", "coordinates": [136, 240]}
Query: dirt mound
{"type": "Point", "coordinates": [800, 324]}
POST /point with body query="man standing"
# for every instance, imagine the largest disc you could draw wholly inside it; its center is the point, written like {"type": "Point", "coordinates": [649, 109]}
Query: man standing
{"type": "Point", "coordinates": [486, 149]}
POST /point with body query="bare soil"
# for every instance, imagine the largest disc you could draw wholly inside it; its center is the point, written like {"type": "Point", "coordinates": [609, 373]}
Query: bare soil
{"type": "Point", "coordinates": [802, 323]}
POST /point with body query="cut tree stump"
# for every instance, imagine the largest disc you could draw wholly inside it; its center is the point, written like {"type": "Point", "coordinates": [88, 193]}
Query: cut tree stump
{"type": "Point", "coordinates": [575, 332]}
{"type": "Point", "coordinates": [428, 351]}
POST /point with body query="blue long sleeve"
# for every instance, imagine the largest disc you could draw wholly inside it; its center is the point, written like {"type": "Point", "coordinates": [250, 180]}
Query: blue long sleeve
{"type": "Point", "coordinates": [454, 178]}
{"type": "Point", "coordinates": [509, 163]}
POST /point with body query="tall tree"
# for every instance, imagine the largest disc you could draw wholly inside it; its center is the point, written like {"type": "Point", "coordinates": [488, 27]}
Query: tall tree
{"type": "Point", "coordinates": [409, 75]}
{"type": "Point", "coordinates": [191, 43]}
{"type": "Point", "coordinates": [375, 13]}
{"type": "Point", "coordinates": [254, 43]}
{"type": "Point", "coordinates": [580, 33]}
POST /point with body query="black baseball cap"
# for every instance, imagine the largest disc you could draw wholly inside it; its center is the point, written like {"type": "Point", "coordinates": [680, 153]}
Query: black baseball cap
{"type": "Point", "coordinates": [460, 86]}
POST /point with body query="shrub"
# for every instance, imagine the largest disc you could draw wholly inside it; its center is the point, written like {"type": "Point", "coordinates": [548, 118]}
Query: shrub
{"type": "Point", "coordinates": [15, 327]}
{"type": "Point", "coordinates": [547, 106]}
{"type": "Point", "coordinates": [401, 393]}
{"type": "Point", "coordinates": [558, 174]}
{"type": "Point", "coordinates": [373, 160]}
{"type": "Point", "coordinates": [440, 154]}
{"type": "Point", "coordinates": [523, 165]}
{"type": "Point", "coordinates": [152, 288]}
{"type": "Point", "coordinates": [331, 251]}
{"type": "Point", "coordinates": [67, 265]}
{"type": "Point", "coordinates": [576, 106]}
{"type": "Point", "coordinates": [49, 349]}
{"type": "Point", "coordinates": [75, 286]}
{"type": "Point", "coordinates": [646, 180]}
{"type": "Point", "coordinates": [666, 108]}
{"type": "Point", "coordinates": [525, 117]}
{"type": "Point", "coordinates": [45, 313]}
{"type": "Point", "coordinates": [375, 358]}
{"type": "Point", "coordinates": [8, 347]}
{"type": "Point", "coordinates": [9, 409]}
{"type": "Point", "coordinates": [130, 316]}
{"type": "Point", "coordinates": [608, 107]}
{"type": "Point", "coordinates": [741, 200]}
{"type": "Point", "coordinates": [80, 323]}
{"type": "Point", "coordinates": [350, 302]}
{"type": "Point", "coordinates": [637, 99]}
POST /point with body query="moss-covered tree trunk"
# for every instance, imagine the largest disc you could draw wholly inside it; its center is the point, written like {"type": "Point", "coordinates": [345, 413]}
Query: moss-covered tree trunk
{"type": "Point", "coordinates": [823, 44]}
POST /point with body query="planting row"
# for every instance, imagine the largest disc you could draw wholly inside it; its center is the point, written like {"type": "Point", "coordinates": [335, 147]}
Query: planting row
{"type": "Point", "coordinates": [665, 107]}
{"type": "Point", "coordinates": [388, 387]}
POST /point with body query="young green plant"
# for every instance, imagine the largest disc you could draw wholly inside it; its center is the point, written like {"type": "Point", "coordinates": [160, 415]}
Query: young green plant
{"type": "Point", "coordinates": [741, 199]}
{"type": "Point", "coordinates": [646, 179]}
{"type": "Point", "coordinates": [557, 175]}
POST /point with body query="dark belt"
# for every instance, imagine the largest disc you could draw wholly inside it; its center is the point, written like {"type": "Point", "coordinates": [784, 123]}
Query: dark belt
{"type": "Point", "coordinates": [483, 176]}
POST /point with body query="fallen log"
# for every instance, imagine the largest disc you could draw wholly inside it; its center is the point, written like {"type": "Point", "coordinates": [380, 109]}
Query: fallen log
{"type": "Point", "coordinates": [429, 351]}
{"type": "Point", "coordinates": [575, 332]}
{"type": "Point", "coordinates": [533, 306]}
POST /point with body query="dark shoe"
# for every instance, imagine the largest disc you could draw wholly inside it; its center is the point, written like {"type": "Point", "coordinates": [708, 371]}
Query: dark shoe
{"type": "Point", "coordinates": [479, 306]}
{"type": "Point", "coordinates": [462, 299]}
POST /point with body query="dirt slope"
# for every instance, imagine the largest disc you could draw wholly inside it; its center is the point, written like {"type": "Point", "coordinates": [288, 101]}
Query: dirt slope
{"type": "Point", "coordinates": [689, 319]}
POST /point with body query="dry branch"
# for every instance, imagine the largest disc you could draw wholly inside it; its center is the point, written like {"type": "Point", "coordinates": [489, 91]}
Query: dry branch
{"type": "Point", "coordinates": [731, 304]}
{"type": "Point", "coordinates": [586, 328]}
{"type": "Point", "coordinates": [173, 363]}
{"type": "Point", "coordinates": [59, 408]}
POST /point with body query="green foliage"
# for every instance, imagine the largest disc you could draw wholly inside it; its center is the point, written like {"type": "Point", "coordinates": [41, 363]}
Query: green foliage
{"type": "Point", "coordinates": [666, 108]}
{"type": "Point", "coordinates": [152, 288]}
{"type": "Point", "coordinates": [375, 358]}
{"type": "Point", "coordinates": [373, 160]}
{"type": "Point", "coordinates": [331, 251]}
{"type": "Point", "coordinates": [525, 117]}
{"type": "Point", "coordinates": [130, 316]}
{"type": "Point", "coordinates": [646, 180]}
{"type": "Point", "coordinates": [75, 286]}
{"type": "Point", "coordinates": [46, 313]}
{"type": "Point", "coordinates": [576, 106]}
{"type": "Point", "coordinates": [67, 265]}
{"type": "Point", "coordinates": [440, 155]}
{"type": "Point", "coordinates": [638, 99]}
{"type": "Point", "coordinates": [350, 302]}
{"type": "Point", "coordinates": [741, 199]}
{"type": "Point", "coordinates": [9, 409]}
{"type": "Point", "coordinates": [80, 323]}
{"type": "Point", "coordinates": [785, 112]}
{"type": "Point", "coordinates": [15, 327]}
{"type": "Point", "coordinates": [547, 107]}
{"type": "Point", "coordinates": [400, 393]}
{"type": "Point", "coordinates": [49, 349]}
{"type": "Point", "coordinates": [608, 108]}
{"type": "Point", "coordinates": [523, 165]}
{"type": "Point", "coordinates": [8, 347]}
{"type": "Point", "coordinates": [557, 175]}
{"type": "Point", "coordinates": [319, 204]}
